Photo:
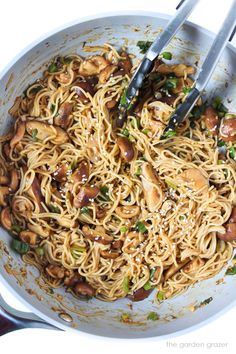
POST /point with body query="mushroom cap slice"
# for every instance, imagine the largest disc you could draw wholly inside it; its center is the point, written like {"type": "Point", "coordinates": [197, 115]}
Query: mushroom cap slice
{"type": "Point", "coordinates": [45, 131]}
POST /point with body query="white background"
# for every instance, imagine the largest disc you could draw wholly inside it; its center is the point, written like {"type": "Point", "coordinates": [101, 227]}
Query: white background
{"type": "Point", "coordinates": [22, 22]}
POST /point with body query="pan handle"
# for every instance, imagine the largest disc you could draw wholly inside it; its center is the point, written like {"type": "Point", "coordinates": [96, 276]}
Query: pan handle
{"type": "Point", "coordinates": [11, 319]}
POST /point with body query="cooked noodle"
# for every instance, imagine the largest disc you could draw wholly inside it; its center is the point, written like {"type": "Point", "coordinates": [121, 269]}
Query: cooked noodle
{"type": "Point", "coordinates": [177, 196]}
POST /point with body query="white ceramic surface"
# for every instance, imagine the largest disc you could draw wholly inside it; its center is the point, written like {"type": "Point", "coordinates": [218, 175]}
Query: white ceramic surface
{"type": "Point", "coordinates": [98, 317]}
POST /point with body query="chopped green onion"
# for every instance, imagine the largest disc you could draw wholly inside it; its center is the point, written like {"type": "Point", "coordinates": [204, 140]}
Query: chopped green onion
{"type": "Point", "coordinates": [125, 132]}
{"type": "Point", "coordinates": [52, 108]}
{"type": "Point", "coordinates": [231, 270]}
{"type": "Point", "coordinates": [170, 133]}
{"type": "Point", "coordinates": [153, 316]}
{"type": "Point", "coordinates": [147, 286]}
{"type": "Point", "coordinates": [16, 228]}
{"type": "Point", "coordinates": [144, 46]}
{"type": "Point", "coordinates": [197, 111]}
{"type": "Point", "coordinates": [131, 138]}
{"type": "Point", "coordinates": [152, 273]}
{"type": "Point", "coordinates": [226, 174]}
{"type": "Point", "coordinates": [140, 227]}
{"type": "Point", "coordinates": [166, 55]}
{"type": "Point", "coordinates": [123, 229]}
{"type": "Point", "coordinates": [34, 134]}
{"type": "Point", "coordinates": [220, 143]}
{"type": "Point", "coordinates": [219, 106]}
{"type": "Point", "coordinates": [171, 82]}
{"type": "Point", "coordinates": [84, 210]}
{"type": "Point", "coordinates": [54, 209]}
{"type": "Point", "coordinates": [206, 301]}
{"type": "Point", "coordinates": [39, 251]}
{"type": "Point", "coordinates": [126, 284]}
{"type": "Point", "coordinates": [182, 217]}
{"type": "Point", "coordinates": [232, 152]}
{"type": "Point", "coordinates": [138, 171]}
{"type": "Point", "coordinates": [160, 295]}
{"type": "Point", "coordinates": [20, 247]}
{"type": "Point", "coordinates": [220, 162]}
{"type": "Point", "coordinates": [171, 184]}
{"type": "Point", "coordinates": [105, 193]}
{"type": "Point", "coordinates": [234, 259]}
{"type": "Point", "coordinates": [76, 251]}
{"type": "Point", "coordinates": [146, 131]}
{"type": "Point", "coordinates": [156, 77]}
{"type": "Point", "coordinates": [123, 99]}
{"type": "Point", "coordinates": [73, 165]}
{"type": "Point", "coordinates": [52, 68]}
{"type": "Point", "coordinates": [128, 199]}
{"type": "Point", "coordinates": [229, 116]}
{"type": "Point", "coordinates": [186, 90]}
{"type": "Point", "coordinates": [125, 317]}
{"type": "Point", "coordinates": [135, 122]}
{"type": "Point", "coordinates": [216, 101]}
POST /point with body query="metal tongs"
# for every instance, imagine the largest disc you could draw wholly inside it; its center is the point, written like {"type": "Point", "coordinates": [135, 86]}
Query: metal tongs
{"type": "Point", "coordinates": [184, 9]}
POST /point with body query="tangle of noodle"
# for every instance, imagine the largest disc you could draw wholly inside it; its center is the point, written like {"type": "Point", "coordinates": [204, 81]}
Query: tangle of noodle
{"type": "Point", "coordinates": [181, 231]}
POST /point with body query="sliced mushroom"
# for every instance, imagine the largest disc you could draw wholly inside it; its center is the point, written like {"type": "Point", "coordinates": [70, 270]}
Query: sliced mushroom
{"type": "Point", "coordinates": [194, 179]}
{"type": "Point", "coordinates": [29, 237]}
{"type": "Point", "coordinates": [153, 193]}
{"type": "Point", "coordinates": [230, 232]}
{"type": "Point", "coordinates": [63, 117]}
{"type": "Point", "coordinates": [128, 211]}
{"type": "Point", "coordinates": [106, 73]}
{"type": "Point", "coordinates": [84, 289]}
{"type": "Point", "coordinates": [73, 279]}
{"type": "Point", "coordinates": [35, 192]}
{"type": "Point", "coordinates": [14, 180]}
{"type": "Point", "coordinates": [22, 206]}
{"type": "Point", "coordinates": [63, 78]}
{"type": "Point", "coordinates": [85, 196]}
{"type": "Point", "coordinates": [100, 212]}
{"type": "Point", "coordinates": [139, 295]}
{"type": "Point", "coordinates": [20, 131]}
{"type": "Point", "coordinates": [81, 173]}
{"type": "Point", "coordinates": [98, 234]}
{"type": "Point", "coordinates": [39, 230]}
{"type": "Point", "coordinates": [117, 245]}
{"type": "Point", "coordinates": [45, 131]}
{"type": "Point", "coordinates": [66, 222]}
{"type": "Point", "coordinates": [60, 175]}
{"type": "Point", "coordinates": [93, 149]}
{"type": "Point", "coordinates": [5, 218]}
{"type": "Point", "coordinates": [178, 69]}
{"type": "Point", "coordinates": [109, 254]}
{"type": "Point", "coordinates": [126, 148]}
{"type": "Point", "coordinates": [55, 271]}
{"type": "Point", "coordinates": [86, 86]}
{"type": "Point", "coordinates": [6, 150]}
{"type": "Point", "coordinates": [4, 180]}
{"type": "Point", "coordinates": [228, 129]}
{"type": "Point", "coordinates": [4, 191]}
{"type": "Point", "coordinates": [212, 120]}
{"type": "Point", "coordinates": [232, 215]}
{"type": "Point", "coordinates": [170, 99]}
{"type": "Point", "coordinates": [14, 110]}
{"type": "Point", "coordinates": [125, 63]}
{"type": "Point", "coordinates": [174, 269]}
{"type": "Point", "coordinates": [111, 104]}
{"type": "Point", "coordinates": [93, 65]}
{"type": "Point", "coordinates": [194, 265]}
